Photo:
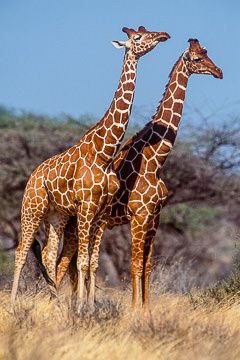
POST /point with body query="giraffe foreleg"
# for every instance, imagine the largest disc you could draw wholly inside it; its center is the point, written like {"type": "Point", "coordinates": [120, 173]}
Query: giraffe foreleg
{"type": "Point", "coordinates": [138, 240]}
{"type": "Point", "coordinates": [151, 232]}
{"type": "Point", "coordinates": [143, 229]}
{"type": "Point", "coordinates": [96, 235]}
{"type": "Point", "coordinates": [94, 247]}
{"type": "Point", "coordinates": [85, 219]}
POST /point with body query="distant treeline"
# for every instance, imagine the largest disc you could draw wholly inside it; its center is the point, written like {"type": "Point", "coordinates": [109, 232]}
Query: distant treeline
{"type": "Point", "coordinates": [201, 174]}
{"type": "Point", "coordinates": [197, 168]}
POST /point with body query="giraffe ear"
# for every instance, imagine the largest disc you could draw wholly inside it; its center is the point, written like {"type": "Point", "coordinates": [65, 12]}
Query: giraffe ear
{"type": "Point", "coordinates": [186, 55]}
{"type": "Point", "coordinates": [119, 44]}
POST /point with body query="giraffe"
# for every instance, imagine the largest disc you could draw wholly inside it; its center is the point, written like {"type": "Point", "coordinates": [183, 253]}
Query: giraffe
{"type": "Point", "coordinates": [142, 192]}
{"type": "Point", "coordinates": [80, 182]}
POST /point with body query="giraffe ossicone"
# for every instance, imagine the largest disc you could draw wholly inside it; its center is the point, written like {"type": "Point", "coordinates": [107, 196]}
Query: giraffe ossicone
{"type": "Point", "coordinates": [81, 182]}
{"type": "Point", "coordinates": [142, 192]}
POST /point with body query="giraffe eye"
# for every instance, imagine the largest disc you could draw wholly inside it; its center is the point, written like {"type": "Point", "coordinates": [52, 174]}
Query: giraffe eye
{"type": "Point", "coordinates": [138, 37]}
{"type": "Point", "coordinates": [197, 60]}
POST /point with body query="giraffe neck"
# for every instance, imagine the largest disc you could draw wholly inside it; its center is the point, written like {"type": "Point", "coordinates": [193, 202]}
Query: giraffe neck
{"type": "Point", "coordinates": [154, 142]}
{"type": "Point", "coordinates": [108, 133]}
{"type": "Point", "coordinates": [166, 121]}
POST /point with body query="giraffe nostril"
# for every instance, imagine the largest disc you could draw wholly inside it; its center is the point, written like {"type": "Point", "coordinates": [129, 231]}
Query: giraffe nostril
{"type": "Point", "coordinates": [219, 71]}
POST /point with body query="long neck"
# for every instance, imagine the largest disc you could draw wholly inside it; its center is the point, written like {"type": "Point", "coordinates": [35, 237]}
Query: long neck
{"type": "Point", "coordinates": [154, 142]}
{"type": "Point", "coordinates": [108, 133]}
{"type": "Point", "coordinates": [166, 121]}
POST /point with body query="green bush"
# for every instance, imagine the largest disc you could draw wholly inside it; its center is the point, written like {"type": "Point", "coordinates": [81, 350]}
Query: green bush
{"type": "Point", "coordinates": [188, 216]}
{"type": "Point", "coordinates": [6, 265]}
{"type": "Point", "coordinates": [226, 289]}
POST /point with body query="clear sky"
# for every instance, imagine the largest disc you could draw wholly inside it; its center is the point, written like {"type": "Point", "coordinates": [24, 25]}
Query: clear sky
{"type": "Point", "coordinates": [57, 56]}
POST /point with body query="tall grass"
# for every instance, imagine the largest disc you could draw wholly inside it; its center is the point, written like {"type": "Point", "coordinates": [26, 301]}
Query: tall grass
{"type": "Point", "coordinates": [174, 328]}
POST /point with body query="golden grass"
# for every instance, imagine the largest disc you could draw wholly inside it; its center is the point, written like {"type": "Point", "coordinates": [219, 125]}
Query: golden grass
{"type": "Point", "coordinates": [174, 329]}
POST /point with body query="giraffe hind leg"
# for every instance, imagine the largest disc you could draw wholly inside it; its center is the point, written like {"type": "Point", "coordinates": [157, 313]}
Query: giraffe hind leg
{"type": "Point", "coordinates": [70, 246]}
{"type": "Point", "coordinates": [56, 223]}
{"type": "Point", "coordinates": [29, 230]}
{"type": "Point", "coordinates": [36, 248]}
{"type": "Point", "coordinates": [72, 269]}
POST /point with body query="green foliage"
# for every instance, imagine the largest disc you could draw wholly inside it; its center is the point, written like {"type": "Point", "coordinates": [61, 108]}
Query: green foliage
{"type": "Point", "coordinates": [227, 288]}
{"type": "Point", "coordinates": [189, 217]}
{"type": "Point", "coordinates": [6, 266]}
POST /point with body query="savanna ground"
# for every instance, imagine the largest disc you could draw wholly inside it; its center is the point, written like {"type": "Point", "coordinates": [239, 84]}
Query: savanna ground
{"type": "Point", "coordinates": [200, 325]}
{"type": "Point", "coordinates": [195, 283]}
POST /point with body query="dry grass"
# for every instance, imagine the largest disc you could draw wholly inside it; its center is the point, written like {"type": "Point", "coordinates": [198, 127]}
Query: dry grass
{"type": "Point", "coordinates": [176, 328]}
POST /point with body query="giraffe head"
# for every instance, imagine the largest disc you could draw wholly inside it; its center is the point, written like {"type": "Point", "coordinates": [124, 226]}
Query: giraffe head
{"type": "Point", "coordinates": [198, 62]}
{"type": "Point", "coordinates": [142, 41]}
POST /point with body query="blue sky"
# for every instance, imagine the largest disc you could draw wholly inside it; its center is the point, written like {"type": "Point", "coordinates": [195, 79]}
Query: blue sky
{"type": "Point", "coordinates": [57, 56]}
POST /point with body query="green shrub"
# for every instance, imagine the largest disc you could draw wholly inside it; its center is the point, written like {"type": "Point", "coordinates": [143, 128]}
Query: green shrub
{"type": "Point", "coordinates": [187, 216]}
{"type": "Point", "coordinates": [6, 264]}
{"type": "Point", "coordinates": [226, 289]}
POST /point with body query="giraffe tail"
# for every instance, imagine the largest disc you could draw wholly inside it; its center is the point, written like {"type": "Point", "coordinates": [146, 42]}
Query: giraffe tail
{"type": "Point", "coordinates": [36, 248]}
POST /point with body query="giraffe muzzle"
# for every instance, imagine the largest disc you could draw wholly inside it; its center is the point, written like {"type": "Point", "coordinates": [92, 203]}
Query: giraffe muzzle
{"type": "Point", "coordinates": [218, 73]}
{"type": "Point", "coordinates": [163, 36]}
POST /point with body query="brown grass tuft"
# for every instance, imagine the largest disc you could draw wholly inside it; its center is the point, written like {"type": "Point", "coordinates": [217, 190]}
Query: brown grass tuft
{"type": "Point", "coordinates": [174, 329]}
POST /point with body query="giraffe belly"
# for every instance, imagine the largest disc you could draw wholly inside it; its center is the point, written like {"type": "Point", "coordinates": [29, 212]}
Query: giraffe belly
{"type": "Point", "coordinates": [119, 215]}
{"type": "Point", "coordinates": [61, 195]}
{"type": "Point", "coordinates": [90, 184]}
{"type": "Point", "coordinates": [63, 203]}
{"type": "Point", "coordinates": [117, 220]}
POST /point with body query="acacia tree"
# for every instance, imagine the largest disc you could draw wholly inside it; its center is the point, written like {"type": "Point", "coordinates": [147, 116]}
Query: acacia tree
{"type": "Point", "coordinates": [218, 143]}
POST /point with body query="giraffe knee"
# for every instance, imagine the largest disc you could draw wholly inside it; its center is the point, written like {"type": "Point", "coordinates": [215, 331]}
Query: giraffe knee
{"type": "Point", "coordinates": [148, 271]}
{"type": "Point", "coordinates": [94, 267]}
{"type": "Point", "coordinates": [137, 270]}
{"type": "Point", "coordinates": [83, 267]}
{"type": "Point", "coordinates": [20, 257]}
